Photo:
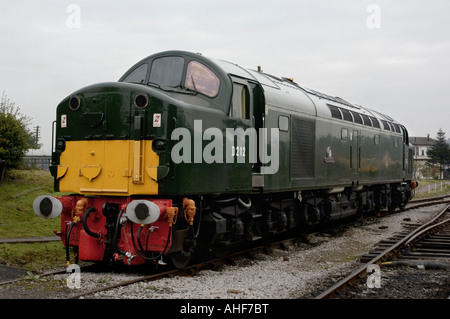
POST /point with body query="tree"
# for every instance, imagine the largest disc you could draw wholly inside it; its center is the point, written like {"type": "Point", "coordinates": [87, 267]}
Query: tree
{"type": "Point", "coordinates": [439, 153]}
{"type": "Point", "coordinates": [15, 137]}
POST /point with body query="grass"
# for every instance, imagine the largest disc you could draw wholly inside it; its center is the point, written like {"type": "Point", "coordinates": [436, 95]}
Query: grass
{"type": "Point", "coordinates": [423, 190]}
{"type": "Point", "coordinates": [33, 257]}
{"type": "Point", "coordinates": [17, 219]}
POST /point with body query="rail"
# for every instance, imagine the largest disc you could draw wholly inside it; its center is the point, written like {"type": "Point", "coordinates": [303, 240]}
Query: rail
{"type": "Point", "coordinates": [383, 256]}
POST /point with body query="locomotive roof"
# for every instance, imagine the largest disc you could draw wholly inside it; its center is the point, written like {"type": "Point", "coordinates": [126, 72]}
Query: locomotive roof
{"type": "Point", "coordinates": [318, 102]}
{"type": "Point", "coordinates": [280, 92]}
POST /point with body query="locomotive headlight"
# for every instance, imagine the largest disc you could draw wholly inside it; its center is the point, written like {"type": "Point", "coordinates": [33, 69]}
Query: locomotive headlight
{"type": "Point", "coordinates": [141, 101]}
{"type": "Point", "coordinates": [60, 144]}
{"type": "Point", "coordinates": [47, 207]}
{"type": "Point", "coordinates": [74, 103]}
{"type": "Point", "coordinates": [143, 212]}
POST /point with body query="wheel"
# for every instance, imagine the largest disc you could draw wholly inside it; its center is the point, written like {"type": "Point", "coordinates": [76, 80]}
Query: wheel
{"type": "Point", "coordinates": [220, 249]}
{"type": "Point", "coordinates": [180, 259]}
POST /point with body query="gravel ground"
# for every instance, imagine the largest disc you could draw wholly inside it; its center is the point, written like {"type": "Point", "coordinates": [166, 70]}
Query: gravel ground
{"type": "Point", "coordinates": [407, 283]}
{"type": "Point", "coordinates": [299, 271]}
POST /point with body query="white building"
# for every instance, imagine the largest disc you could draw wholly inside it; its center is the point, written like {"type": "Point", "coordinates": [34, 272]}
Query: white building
{"type": "Point", "coordinates": [421, 147]}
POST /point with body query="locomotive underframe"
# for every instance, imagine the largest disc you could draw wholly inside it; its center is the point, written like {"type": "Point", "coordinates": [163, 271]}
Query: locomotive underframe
{"type": "Point", "coordinates": [247, 218]}
{"type": "Point", "coordinates": [99, 229]}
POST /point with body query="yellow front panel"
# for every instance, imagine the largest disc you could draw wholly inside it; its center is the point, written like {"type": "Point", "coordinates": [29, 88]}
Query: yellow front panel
{"type": "Point", "coordinates": [108, 168]}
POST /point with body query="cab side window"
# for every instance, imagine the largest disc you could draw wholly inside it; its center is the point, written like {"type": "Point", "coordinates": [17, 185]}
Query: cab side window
{"type": "Point", "coordinates": [240, 101]}
{"type": "Point", "coordinates": [201, 79]}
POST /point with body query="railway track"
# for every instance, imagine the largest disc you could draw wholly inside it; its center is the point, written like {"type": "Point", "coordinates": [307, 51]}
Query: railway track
{"type": "Point", "coordinates": [422, 243]}
{"type": "Point", "coordinates": [159, 273]}
{"type": "Point", "coordinates": [187, 271]}
{"type": "Point", "coordinates": [416, 203]}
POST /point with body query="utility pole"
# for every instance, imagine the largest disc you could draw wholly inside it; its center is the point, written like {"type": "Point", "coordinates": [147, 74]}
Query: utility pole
{"type": "Point", "coordinates": [37, 136]}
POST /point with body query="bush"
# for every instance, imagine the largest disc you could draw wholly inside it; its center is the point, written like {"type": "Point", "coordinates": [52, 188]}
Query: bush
{"type": "Point", "coordinates": [15, 137]}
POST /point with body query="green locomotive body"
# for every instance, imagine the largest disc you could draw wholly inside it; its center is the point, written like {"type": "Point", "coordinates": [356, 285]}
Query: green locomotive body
{"type": "Point", "coordinates": [255, 155]}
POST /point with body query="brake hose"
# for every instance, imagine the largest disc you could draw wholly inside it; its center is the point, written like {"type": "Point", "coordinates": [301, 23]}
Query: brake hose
{"type": "Point", "coordinates": [140, 244]}
{"type": "Point", "coordinates": [67, 240]}
{"type": "Point", "coordinates": [85, 226]}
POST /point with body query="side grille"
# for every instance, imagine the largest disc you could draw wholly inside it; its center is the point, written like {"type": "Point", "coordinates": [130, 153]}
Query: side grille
{"type": "Point", "coordinates": [302, 147]}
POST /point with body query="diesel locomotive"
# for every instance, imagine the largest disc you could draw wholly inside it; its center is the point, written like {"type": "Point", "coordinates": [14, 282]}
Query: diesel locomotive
{"type": "Point", "coordinates": [187, 156]}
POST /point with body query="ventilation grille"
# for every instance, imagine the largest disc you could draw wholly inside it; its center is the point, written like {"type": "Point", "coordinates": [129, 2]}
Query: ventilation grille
{"type": "Point", "coordinates": [302, 148]}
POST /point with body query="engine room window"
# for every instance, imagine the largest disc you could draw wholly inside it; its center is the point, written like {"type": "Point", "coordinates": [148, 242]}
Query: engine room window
{"type": "Point", "coordinates": [366, 120]}
{"type": "Point", "coordinates": [357, 118]}
{"type": "Point", "coordinates": [386, 125]}
{"type": "Point", "coordinates": [283, 123]}
{"type": "Point", "coordinates": [201, 79]}
{"type": "Point", "coordinates": [241, 101]}
{"type": "Point", "coordinates": [396, 127]}
{"type": "Point", "coordinates": [335, 112]}
{"type": "Point", "coordinates": [138, 75]}
{"type": "Point", "coordinates": [347, 115]}
{"type": "Point", "coordinates": [377, 139]}
{"type": "Point", "coordinates": [344, 134]}
{"type": "Point", "coordinates": [375, 122]}
{"type": "Point", "coordinates": [167, 71]}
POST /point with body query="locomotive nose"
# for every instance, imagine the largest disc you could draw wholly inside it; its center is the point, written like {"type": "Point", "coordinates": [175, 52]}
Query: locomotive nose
{"type": "Point", "coordinates": [47, 207]}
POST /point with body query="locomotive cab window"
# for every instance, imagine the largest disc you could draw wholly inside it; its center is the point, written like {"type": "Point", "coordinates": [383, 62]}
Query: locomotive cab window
{"type": "Point", "coordinates": [138, 75]}
{"type": "Point", "coordinates": [201, 79]}
{"type": "Point", "coordinates": [167, 71]}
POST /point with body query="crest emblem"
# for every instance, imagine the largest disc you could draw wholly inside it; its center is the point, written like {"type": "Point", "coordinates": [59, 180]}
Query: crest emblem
{"type": "Point", "coordinates": [329, 156]}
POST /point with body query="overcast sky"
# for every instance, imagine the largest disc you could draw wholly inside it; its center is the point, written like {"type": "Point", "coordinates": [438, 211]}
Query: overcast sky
{"type": "Point", "coordinates": [391, 56]}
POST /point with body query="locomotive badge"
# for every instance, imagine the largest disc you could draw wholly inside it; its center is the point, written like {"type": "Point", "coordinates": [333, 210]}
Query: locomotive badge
{"type": "Point", "coordinates": [329, 156]}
